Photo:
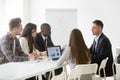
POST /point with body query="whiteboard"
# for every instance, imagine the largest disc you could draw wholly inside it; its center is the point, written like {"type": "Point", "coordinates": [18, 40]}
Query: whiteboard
{"type": "Point", "coordinates": [62, 21]}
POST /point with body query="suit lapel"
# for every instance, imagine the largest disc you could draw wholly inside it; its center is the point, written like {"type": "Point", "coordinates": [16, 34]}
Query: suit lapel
{"type": "Point", "coordinates": [42, 41]}
{"type": "Point", "coordinates": [99, 42]}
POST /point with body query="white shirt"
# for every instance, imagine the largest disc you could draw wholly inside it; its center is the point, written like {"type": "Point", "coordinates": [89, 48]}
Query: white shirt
{"type": "Point", "coordinates": [43, 36]}
{"type": "Point", "coordinates": [66, 57]}
{"type": "Point", "coordinates": [96, 39]}
{"type": "Point", "coordinates": [25, 47]}
{"type": "Point", "coordinates": [44, 39]}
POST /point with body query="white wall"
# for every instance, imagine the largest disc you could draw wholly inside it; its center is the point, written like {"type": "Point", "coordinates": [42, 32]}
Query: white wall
{"type": "Point", "coordinates": [9, 9]}
{"type": "Point", "coordinates": [13, 8]}
{"type": "Point", "coordinates": [62, 22]}
{"type": "Point", "coordinates": [26, 12]}
{"type": "Point", "coordinates": [88, 10]}
{"type": "Point", "coordinates": [1, 14]}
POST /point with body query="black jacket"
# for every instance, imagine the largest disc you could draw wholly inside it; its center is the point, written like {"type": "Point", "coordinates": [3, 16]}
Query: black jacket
{"type": "Point", "coordinates": [102, 51]}
{"type": "Point", "coordinates": [41, 43]}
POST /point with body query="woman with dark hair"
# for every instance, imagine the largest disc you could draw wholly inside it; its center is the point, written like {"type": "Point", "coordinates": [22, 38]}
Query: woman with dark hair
{"type": "Point", "coordinates": [76, 52]}
{"type": "Point", "coordinates": [27, 40]}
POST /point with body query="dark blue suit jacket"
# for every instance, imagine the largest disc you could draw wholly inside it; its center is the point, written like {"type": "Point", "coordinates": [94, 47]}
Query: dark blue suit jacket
{"type": "Point", "coordinates": [102, 51]}
{"type": "Point", "coordinates": [41, 44]}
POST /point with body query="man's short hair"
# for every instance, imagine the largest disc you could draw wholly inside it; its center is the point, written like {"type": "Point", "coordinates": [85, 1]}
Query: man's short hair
{"type": "Point", "coordinates": [14, 22]}
{"type": "Point", "coordinates": [45, 25]}
{"type": "Point", "coordinates": [99, 23]}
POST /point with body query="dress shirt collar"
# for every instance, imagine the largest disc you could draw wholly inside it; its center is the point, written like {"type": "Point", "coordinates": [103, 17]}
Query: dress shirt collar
{"type": "Point", "coordinates": [97, 37]}
{"type": "Point", "coordinates": [43, 37]}
{"type": "Point", "coordinates": [10, 35]}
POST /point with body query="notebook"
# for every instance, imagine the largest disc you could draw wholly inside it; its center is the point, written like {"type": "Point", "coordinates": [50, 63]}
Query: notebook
{"type": "Point", "coordinates": [54, 52]}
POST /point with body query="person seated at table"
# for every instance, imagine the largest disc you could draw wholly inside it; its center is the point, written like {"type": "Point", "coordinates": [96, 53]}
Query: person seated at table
{"type": "Point", "coordinates": [27, 40]}
{"type": "Point", "coordinates": [10, 49]}
{"type": "Point", "coordinates": [43, 38]}
{"type": "Point", "coordinates": [76, 52]}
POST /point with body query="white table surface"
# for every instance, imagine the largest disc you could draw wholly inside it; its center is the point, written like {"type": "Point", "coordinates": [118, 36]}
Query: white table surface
{"type": "Point", "coordinates": [23, 70]}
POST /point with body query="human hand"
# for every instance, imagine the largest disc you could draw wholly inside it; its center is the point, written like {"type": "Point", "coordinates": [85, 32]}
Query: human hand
{"type": "Point", "coordinates": [33, 56]}
{"type": "Point", "coordinates": [44, 53]}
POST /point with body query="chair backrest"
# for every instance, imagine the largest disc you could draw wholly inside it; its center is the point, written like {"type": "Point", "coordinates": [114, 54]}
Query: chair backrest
{"type": "Point", "coordinates": [113, 70]}
{"type": "Point", "coordinates": [82, 69]}
{"type": "Point", "coordinates": [62, 76]}
{"type": "Point", "coordinates": [103, 63]}
{"type": "Point", "coordinates": [117, 71]}
{"type": "Point", "coordinates": [102, 66]}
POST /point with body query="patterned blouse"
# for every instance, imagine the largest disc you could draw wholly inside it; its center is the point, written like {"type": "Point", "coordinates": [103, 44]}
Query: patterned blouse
{"type": "Point", "coordinates": [9, 52]}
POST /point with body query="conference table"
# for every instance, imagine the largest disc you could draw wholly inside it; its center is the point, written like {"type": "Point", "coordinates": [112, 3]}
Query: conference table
{"type": "Point", "coordinates": [27, 69]}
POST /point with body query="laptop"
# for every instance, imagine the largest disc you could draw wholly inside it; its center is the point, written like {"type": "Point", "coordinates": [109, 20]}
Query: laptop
{"type": "Point", "coordinates": [54, 52]}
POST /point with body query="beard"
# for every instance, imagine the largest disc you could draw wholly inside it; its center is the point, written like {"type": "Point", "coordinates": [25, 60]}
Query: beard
{"type": "Point", "coordinates": [18, 33]}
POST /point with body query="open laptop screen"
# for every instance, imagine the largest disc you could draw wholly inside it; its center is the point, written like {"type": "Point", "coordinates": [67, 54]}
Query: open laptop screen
{"type": "Point", "coordinates": [54, 52]}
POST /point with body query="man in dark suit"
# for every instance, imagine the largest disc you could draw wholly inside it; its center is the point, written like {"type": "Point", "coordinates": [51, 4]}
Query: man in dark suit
{"type": "Point", "coordinates": [43, 38]}
{"type": "Point", "coordinates": [101, 48]}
